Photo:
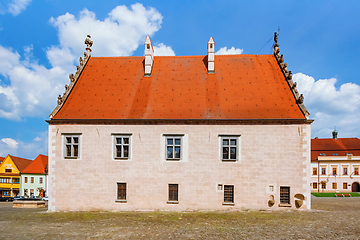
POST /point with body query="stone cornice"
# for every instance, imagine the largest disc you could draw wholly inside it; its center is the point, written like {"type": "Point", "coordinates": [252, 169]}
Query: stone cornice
{"type": "Point", "coordinates": [179, 121]}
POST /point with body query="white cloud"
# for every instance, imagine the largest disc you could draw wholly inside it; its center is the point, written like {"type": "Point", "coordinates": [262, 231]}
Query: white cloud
{"type": "Point", "coordinates": [163, 50]}
{"type": "Point", "coordinates": [11, 143]}
{"type": "Point", "coordinates": [225, 51]}
{"type": "Point", "coordinates": [330, 106]}
{"type": "Point", "coordinates": [15, 7]}
{"type": "Point", "coordinates": [119, 34]}
{"type": "Point", "coordinates": [22, 149]}
{"type": "Point", "coordinates": [30, 89]}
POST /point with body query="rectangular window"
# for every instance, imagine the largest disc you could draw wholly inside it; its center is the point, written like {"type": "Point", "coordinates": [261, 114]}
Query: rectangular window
{"type": "Point", "coordinates": [41, 180]}
{"type": "Point", "coordinates": [122, 146]}
{"type": "Point", "coordinates": [334, 171]}
{"type": "Point", "coordinates": [345, 185]}
{"type": "Point", "coordinates": [16, 180]}
{"type": "Point", "coordinates": [26, 192]}
{"type": "Point", "coordinates": [345, 171]}
{"type": "Point", "coordinates": [229, 148]}
{"type": "Point", "coordinates": [323, 170]}
{"type": "Point", "coordinates": [173, 192]}
{"type": "Point", "coordinates": [121, 191]}
{"type": "Point", "coordinates": [314, 185]}
{"type": "Point", "coordinates": [5, 180]}
{"type": "Point", "coordinates": [334, 185]}
{"type": "Point", "coordinates": [314, 171]}
{"type": "Point", "coordinates": [173, 147]}
{"type": "Point", "coordinates": [31, 192]}
{"type": "Point", "coordinates": [323, 185]}
{"type": "Point", "coordinates": [72, 146]}
{"type": "Point", "coordinates": [228, 193]}
{"type": "Point", "coordinates": [284, 195]}
{"type": "Point", "coordinates": [32, 179]}
{"type": "Point", "coordinates": [25, 180]}
{"type": "Point", "coordinates": [7, 170]}
{"type": "Point", "coordinates": [356, 170]}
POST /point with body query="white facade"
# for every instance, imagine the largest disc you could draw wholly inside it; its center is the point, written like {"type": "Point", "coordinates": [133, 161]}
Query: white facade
{"type": "Point", "coordinates": [269, 157]}
{"type": "Point", "coordinates": [32, 184]}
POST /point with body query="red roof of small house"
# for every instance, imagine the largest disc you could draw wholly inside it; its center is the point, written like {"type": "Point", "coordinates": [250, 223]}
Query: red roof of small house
{"type": "Point", "coordinates": [38, 165]}
{"type": "Point", "coordinates": [242, 87]}
{"type": "Point", "coordinates": [334, 147]}
{"type": "Point", "coordinates": [21, 163]}
{"type": "Point", "coordinates": [1, 159]}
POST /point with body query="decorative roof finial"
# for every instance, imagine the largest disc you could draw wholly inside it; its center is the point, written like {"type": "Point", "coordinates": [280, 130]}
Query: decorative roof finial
{"type": "Point", "coordinates": [88, 43]}
{"type": "Point", "coordinates": [335, 133]}
{"type": "Point", "coordinates": [276, 39]}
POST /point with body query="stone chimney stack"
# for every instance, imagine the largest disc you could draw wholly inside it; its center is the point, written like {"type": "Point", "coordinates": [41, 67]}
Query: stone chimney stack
{"type": "Point", "coordinates": [149, 56]}
{"type": "Point", "coordinates": [211, 55]}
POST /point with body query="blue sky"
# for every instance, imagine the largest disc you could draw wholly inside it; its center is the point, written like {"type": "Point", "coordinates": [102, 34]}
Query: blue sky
{"type": "Point", "coordinates": [41, 42]}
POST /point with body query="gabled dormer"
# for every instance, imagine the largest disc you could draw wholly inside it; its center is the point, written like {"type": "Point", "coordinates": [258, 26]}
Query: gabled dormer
{"type": "Point", "coordinates": [149, 56]}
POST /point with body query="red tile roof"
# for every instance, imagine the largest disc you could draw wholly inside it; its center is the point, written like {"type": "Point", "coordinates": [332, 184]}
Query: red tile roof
{"type": "Point", "coordinates": [38, 165]}
{"type": "Point", "coordinates": [1, 159]}
{"type": "Point", "coordinates": [330, 146]}
{"type": "Point", "coordinates": [21, 163]}
{"type": "Point", "coordinates": [242, 87]}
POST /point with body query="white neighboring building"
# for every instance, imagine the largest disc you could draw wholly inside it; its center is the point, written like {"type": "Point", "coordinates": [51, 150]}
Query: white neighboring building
{"type": "Point", "coordinates": [178, 133]}
{"type": "Point", "coordinates": [34, 178]}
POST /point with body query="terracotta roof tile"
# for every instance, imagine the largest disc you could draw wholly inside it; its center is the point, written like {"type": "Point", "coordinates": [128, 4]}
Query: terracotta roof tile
{"type": "Point", "coordinates": [330, 146]}
{"type": "Point", "coordinates": [242, 87]}
{"type": "Point", "coordinates": [21, 163]}
{"type": "Point", "coordinates": [38, 165]}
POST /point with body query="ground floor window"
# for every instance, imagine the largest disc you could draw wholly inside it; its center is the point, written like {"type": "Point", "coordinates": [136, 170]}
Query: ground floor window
{"type": "Point", "coordinates": [314, 185]}
{"type": "Point", "coordinates": [121, 192]}
{"type": "Point", "coordinates": [229, 193]}
{"type": "Point", "coordinates": [284, 195]}
{"type": "Point", "coordinates": [345, 185]}
{"type": "Point", "coordinates": [173, 192]}
{"type": "Point", "coordinates": [26, 193]}
{"type": "Point", "coordinates": [31, 192]}
{"type": "Point", "coordinates": [323, 185]}
{"type": "Point", "coordinates": [334, 185]}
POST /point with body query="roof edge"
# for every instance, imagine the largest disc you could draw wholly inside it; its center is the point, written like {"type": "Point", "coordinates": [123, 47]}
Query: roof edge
{"type": "Point", "coordinates": [180, 121]}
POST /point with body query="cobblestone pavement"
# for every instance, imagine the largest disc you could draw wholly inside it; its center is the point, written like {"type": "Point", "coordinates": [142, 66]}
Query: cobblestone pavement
{"type": "Point", "coordinates": [330, 218]}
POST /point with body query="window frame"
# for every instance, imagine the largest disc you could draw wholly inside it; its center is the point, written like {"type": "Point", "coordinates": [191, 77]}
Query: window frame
{"type": "Point", "coordinates": [173, 193]}
{"type": "Point", "coordinates": [323, 172]}
{"type": "Point", "coordinates": [230, 137]}
{"type": "Point", "coordinates": [25, 179]}
{"type": "Point", "coordinates": [115, 144]}
{"type": "Point", "coordinates": [121, 192]}
{"type": "Point", "coordinates": [229, 195]}
{"type": "Point", "coordinates": [78, 144]}
{"type": "Point", "coordinates": [315, 185]}
{"type": "Point", "coordinates": [345, 185]}
{"type": "Point", "coordinates": [314, 172]}
{"type": "Point", "coordinates": [334, 185]}
{"type": "Point", "coordinates": [32, 180]}
{"type": "Point", "coordinates": [174, 137]}
{"type": "Point", "coordinates": [345, 173]}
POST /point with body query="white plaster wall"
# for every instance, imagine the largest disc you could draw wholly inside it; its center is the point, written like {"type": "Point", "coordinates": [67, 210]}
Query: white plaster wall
{"type": "Point", "coordinates": [277, 155]}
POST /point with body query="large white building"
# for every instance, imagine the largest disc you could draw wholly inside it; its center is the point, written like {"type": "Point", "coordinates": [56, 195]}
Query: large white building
{"type": "Point", "coordinates": [178, 133]}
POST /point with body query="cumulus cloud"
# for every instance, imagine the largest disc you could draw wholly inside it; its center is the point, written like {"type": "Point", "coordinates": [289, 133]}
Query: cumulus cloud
{"type": "Point", "coordinates": [163, 50]}
{"type": "Point", "coordinates": [15, 7]}
{"type": "Point", "coordinates": [28, 88]}
{"type": "Point", "coordinates": [119, 34]}
{"type": "Point", "coordinates": [11, 143]}
{"type": "Point", "coordinates": [24, 149]}
{"type": "Point", "coordinates": [330, 106]}
{"type": "Point", "coordinates": [225, 51]}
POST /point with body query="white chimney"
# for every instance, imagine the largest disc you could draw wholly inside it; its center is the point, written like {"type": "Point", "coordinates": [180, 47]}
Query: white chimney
{"type": "Point", "coordinates": [149, 56]}
{"type": "Point", "coordinates": [211, 55]}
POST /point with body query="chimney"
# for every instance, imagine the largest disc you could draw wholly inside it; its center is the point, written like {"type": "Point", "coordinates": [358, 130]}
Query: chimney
{"type": "Point", "coordinates": [149, 56]}
{"type": "Point", "coordinates": [211, 55]}
{"type": "Point", "coordinates": [335, 133]}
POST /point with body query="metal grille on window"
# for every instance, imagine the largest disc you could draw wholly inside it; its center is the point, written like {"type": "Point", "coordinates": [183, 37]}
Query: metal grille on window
{"type": "Point", "coordinates": [121, 191]}
{"type": "Point", "coordinates": [173, 147]}
{"type": "Point", "coordinates": [229, 193]}
{"type": "Point", "coordinates": [173, 192]}
{"type": "Point", "coordinates": [122, 146]}
{"type": "Point", "coordinates": [229, 148]}
{"type": "Point", "coordinates": [285, 195]}
{"type": "Point", "coordinates": [72, 146]}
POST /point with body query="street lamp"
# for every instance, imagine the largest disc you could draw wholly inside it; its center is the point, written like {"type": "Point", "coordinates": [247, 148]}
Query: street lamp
{"type": "Point", "coordinates": [46, 171]}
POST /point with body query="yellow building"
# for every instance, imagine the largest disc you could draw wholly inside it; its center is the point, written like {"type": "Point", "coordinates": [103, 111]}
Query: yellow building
{"type": "Point", "coordinates": [10, 170]}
